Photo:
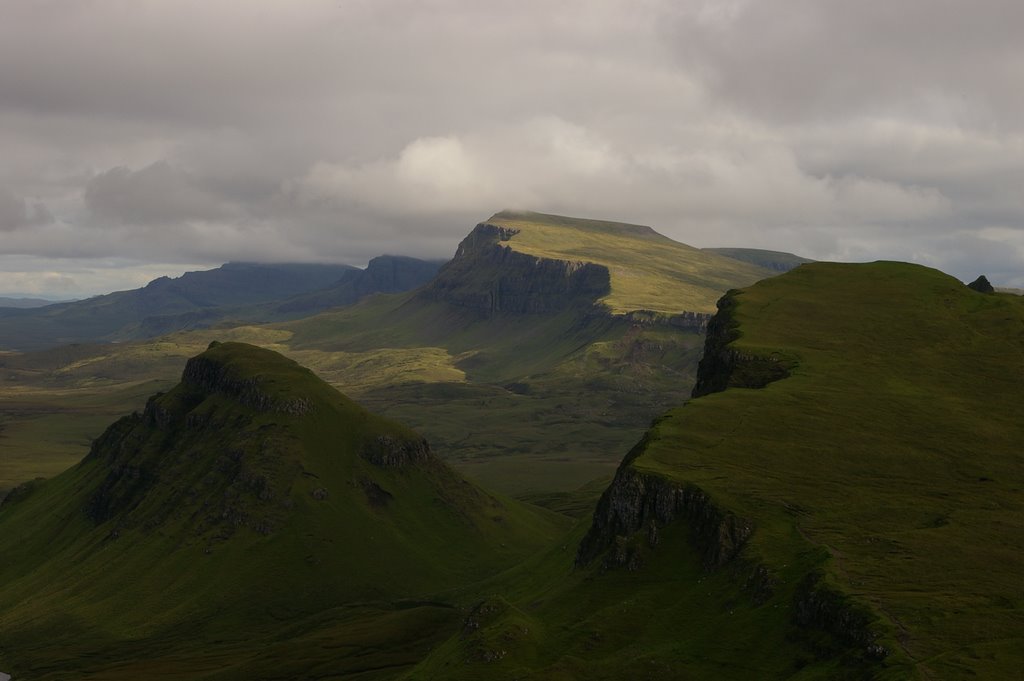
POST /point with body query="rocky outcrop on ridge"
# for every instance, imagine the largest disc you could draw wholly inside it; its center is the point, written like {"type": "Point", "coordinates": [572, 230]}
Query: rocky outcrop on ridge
{"type": "Point", "coordinates": [640, 502]}
{"type": "Point", "coordinates": [387, 451]}
{"type": "Point", "coordinates": [490, 278]}
{"type": "Point", "coordinates": [637, 504]}
{"type": "Point", "coordinates": [212, 376]}
{"type": "Point", "coordinates": [723, 366]}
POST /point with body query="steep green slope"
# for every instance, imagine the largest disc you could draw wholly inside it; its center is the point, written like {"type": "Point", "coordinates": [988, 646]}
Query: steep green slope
{"type": "Point", "coordinates": [842, 501]}
{"type": "Point", "coordinates": [250, 522]}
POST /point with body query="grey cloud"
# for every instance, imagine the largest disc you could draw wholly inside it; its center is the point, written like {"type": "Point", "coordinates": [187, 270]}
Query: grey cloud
{"type": "Point", "coordinates": [16, 212]}
{"type": "Point", "coordinates": [807, 60]}
{"type": "Point", "coordinates": [63, 278]}
{"type": "Point", "coordinates": [156, 194]}
{"type": "Point", "coordinates": [200, 132]}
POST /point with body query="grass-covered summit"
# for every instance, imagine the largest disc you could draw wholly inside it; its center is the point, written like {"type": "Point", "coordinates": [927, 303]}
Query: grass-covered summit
{"type": "Point", "coordinates": [243, 521]}
{"type": "Point", "coordinates": [625, 267]}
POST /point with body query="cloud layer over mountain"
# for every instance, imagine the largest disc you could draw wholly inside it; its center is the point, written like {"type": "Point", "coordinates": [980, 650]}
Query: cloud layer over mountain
{"type": "Point", "coordinates": [144, 137]}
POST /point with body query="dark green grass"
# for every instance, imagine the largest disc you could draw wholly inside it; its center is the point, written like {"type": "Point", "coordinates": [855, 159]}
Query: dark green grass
{"type": "Point", "coordinates": [179, 578]}
{"type": "Point", "coordinates": [895, 445]}
{"type": "Point", "coordinates": [669, 620]}
{"type": "Point", "coordinates": [889, 460]}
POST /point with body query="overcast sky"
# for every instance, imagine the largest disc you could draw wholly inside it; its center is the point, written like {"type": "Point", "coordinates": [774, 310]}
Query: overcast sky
{"type": "Point", "coordinates": [140, 138]}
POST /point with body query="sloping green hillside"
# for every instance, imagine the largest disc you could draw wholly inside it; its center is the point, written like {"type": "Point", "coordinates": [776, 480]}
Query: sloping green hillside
{"type": "Point", "coordinates": [648, 271]}
{"type": "Point", "coordinates": [843, 502]}
{"type": "Point", "coordinates": [251, 522]}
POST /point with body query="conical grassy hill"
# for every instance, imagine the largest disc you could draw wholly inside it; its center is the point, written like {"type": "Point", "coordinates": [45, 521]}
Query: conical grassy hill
{"type": "Point", "coordinates": [250, 522]}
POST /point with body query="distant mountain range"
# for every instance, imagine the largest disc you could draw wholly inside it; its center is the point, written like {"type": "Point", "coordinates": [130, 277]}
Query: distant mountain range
{"type": "Point", "coordinates": [238, 292]}
{"type": "Point", "coordinates": [20, 302]}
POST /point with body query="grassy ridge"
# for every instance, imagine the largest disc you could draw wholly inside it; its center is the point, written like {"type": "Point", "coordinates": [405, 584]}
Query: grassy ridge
{"type": "Point", "coordinates": [894, 446]}
{"type": "Point", "coordinates": [887, 462]}
{"type": "Point", "coordinates": [669, 620]}
{"type": "Point", "coordinates": [648, 271]}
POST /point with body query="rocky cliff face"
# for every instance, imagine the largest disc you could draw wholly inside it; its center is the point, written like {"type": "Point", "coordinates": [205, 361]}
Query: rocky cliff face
{"type": "Point", "coordinates": [490, 278]}
{"type": "Point", "coordinates": [211, 376]}
{"type": "Point", "coordinates": [694, 322]}
{"type": "Point", "coordinates": [723, 366]}
{"type": "Point", "coordinates": [816, 606]}
{"type": "Point", "coordinates": [637, 504]}
{"type": "Point", "coordinates": [388, 451]}
{"type": "Point", "coordinates": [163, 464]}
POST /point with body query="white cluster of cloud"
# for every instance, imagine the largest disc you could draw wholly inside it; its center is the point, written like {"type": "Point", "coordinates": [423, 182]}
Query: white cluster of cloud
{"type": "Point", "coordinates": [169, 136]}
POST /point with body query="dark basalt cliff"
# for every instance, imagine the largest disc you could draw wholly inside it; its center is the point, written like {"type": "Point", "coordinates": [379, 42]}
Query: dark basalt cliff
{"type": "Point", "coordinates": [387, 451]}
{"type": "Point", "coordinates": [820, 607]}
{"type": "Point", "coordinates": [640, 502]}
{"type": "Point", "coordinates": [723, 366]}
{"type": "Point", "coordinates": [489, 278]}
{"type": "Point", "coordinates": [637, 504]}
{"type": "Point", "coordinates": [694, 322]}
{"type": "Point", "coordinates": [211, 376]}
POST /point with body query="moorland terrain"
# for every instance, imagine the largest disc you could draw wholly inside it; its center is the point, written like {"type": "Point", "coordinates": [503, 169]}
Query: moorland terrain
{"type": "Point", "coordinates": [840, 499]}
